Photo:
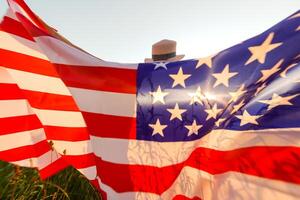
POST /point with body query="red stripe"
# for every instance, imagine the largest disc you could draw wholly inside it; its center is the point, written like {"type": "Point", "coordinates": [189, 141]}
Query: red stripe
{"type": "Point", "coordinates": [96, 78]}
{"type": "Point", "coordinates": [25, 152]}
{"type": "Point", "coordinates": [14, 27]}
{"type": "Point", "coordinates": [48, 101]}
{"type": "Point", "coordinates": [26, 63]}
{"type": "Point", "coordinates": [66, 133]}
{"type": "Point", "coordinates": [34, 31]}
{"type": "Point", "coordinates": [95, 183]}
{"type": "Point", "coordinates": [10, 92]}
{"type": "Point", "coordinates": [99, 78]}
{"type": "Point", "coordinates": [110, 126]}
{"type": "Point", "coordinates": [55, 167]}
{"type": "Point", "coordinates": [19, 124]}
{"type": "Point", "coordinates": [42, 29]}
{"type": "Point", "coordinates": [81, 161]}
{"type": "Point", "coordinates": [28, 11]}
{"type": "Point", "coordinates": [182, 197]}
{"type": "Point", "coordinates": [280, 163]}
{"type": "Point", "coordinates": [37, 99]}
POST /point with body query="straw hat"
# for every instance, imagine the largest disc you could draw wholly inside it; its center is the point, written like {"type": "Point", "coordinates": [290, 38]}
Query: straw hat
{"type": "Point", "coordinates": [164, 50]}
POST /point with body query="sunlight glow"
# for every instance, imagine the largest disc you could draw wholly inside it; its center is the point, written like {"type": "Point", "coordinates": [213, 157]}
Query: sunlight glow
{"type": "Point", "coordinates": [210, 96]}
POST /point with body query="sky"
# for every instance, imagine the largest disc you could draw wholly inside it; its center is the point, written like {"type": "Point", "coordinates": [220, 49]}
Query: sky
{"type": "Point", "coordinates": [124, 30]}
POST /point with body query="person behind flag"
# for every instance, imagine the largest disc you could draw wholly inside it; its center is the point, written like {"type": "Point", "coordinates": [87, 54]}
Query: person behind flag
{"type": "Point", "coordinates": [164, 50]}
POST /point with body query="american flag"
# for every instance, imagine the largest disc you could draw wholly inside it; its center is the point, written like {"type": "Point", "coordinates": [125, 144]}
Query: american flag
{"type": "Point", "coordinates": [226, 126]}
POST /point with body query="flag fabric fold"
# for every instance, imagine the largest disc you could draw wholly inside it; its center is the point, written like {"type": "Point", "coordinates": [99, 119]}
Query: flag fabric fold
{"type": "Point", "coordinates": [222, 127]}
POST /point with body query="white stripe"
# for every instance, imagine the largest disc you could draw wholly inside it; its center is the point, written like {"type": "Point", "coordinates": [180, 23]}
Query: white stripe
{"type": "Point", "coordinates": [12, 108]}
{"type": "Point", "coordinates": [112, 195]}
{"type": "Point", "coordinates": [5, 76]}
{"type": "Point", "coordinates": [110, 103]}
{"type": "Point", "coordinates": [40, 162]}
{"type": "Point", "coordinates": [37, 82]}
{"type": "Point", "coordinates": [47, 158]}
{"type": "Point", "coordinates": [231, 185]}
{"type": "Point", "coordinates": [72, 148]}
{"type": "Point", "coordinates": [89, 172]}
{"type": "Point", "coordinates": [20, 139]}
{"type": "Point", "coordinates": [234, 185]}
{"type": "Point", "coordinates": [62, 53]}
{"type": "Point", "coordinates": [20, 45]}
{"type": "Point", "coordinates": [60, 118]}
{"type": "Point", "coordinates": [161, 154]}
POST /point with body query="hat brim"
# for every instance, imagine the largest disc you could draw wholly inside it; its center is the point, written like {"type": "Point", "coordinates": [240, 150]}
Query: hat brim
{"type": "Point", "coordinates": [176, 58]}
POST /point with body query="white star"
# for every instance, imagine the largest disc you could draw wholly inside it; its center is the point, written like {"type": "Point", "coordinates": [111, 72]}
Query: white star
{"type": "Point", "coordinates": [206, 60]}
{"type": "Point", "coordinates": [223, 77]}
{"type": "Point", "coordinates": [219, 122]}
{"type": "Point", "coordinates": [193, 129]}
{"type": "Point", "coordinates": [235, 95]}
{"type": "Point", "coordinates": [246, 118]}
{"type": "Point", "coordinates": [212, 113]}
{"type": "Point", "coordinates": [278, 101]}
{"type": "Point", "coordinates": [237, 107]}
{"type": "Point", "coordinates": [260, 52]}
{"type": "Point", "coordinates": [196, 97]}
{"type": "Point", "coordinates": [179, 78]}
{"type": "Point", "coordinates": [283, 74]}
{"type": "Point", "coordinates": [295, 16]}
{"type": "Point", "coordinates": [176, 112]}
{"type": "Point", "coordinates": [158, 128]}
{"type": "Point", "coordinates": [160, 65]}
{"type": "Point", "coordinates": [266, 73]}
{"type": "Point", "coordinates": [260, 88]}
{"type": "Point", "coordinates": [159, 95]}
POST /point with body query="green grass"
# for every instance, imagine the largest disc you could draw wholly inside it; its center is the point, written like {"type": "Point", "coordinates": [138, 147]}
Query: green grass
{"type": "Point", "coordinates": [25, 184]}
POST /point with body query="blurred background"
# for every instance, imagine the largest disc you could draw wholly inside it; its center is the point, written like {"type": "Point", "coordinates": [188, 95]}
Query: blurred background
{"type": "Point", "coordinates": [124, 31]}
